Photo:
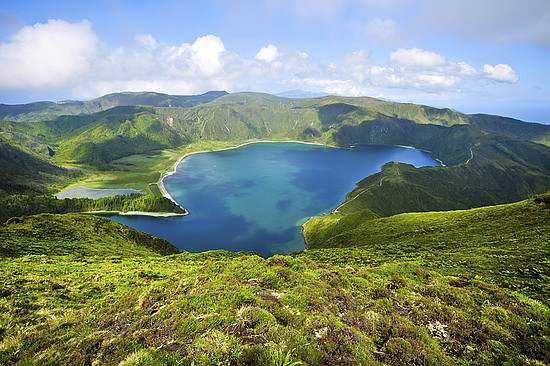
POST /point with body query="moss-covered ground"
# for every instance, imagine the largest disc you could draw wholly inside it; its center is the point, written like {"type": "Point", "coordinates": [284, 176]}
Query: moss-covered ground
{"type": "Point", "coordinates": [84, 290]}
{"type": "Point", "coordinates": [237, 308]}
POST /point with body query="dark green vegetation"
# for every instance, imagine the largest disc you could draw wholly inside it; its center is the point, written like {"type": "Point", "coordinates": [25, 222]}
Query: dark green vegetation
{"type": "Point", "coordinates": [20, 205]}
{"type": "Point", "coordinates": [25, 171]}
{"type": "Point", "coordinates": [418, 288]}
{"type": "Point", "coordinates": [238, 308]}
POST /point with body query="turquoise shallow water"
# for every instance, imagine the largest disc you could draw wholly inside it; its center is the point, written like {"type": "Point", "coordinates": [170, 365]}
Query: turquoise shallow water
{"type": "Point", "coordinates": [256, 197]}
{"type": "Point", "coordinates": [94, 193]}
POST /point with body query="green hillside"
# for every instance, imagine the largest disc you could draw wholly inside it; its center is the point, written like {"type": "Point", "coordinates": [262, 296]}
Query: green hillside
{"type": "Point", "coordinates": [131, 146]}
{"type": "Point", "coordinates": [444, 117]}
{"type": "Point", "coordinates": [483, 169]}
{"type": "Point", "coordinates": [109, 302]}
{"type": "Point", "coordinates": [44, 111]}
{"type": "Point", "coordinates": [25, 171]}
{"type": "Point", "coordinates": [507, 244]}
{"type": "Point", "coordinates": [80, 235]}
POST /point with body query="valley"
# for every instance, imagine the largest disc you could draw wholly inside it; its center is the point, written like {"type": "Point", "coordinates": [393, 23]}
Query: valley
{"type": "Point", "coordinates": [418, 265]}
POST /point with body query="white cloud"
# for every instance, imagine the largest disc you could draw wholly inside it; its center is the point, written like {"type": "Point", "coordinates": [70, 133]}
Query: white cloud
{"type": "Point", "coordinates": [501, 72]}
{"type": "Point", "coordinates": [416, 57]}
{"type": "Point", "coordinates": [69, 55]}
{"type": "Point", "coordinates": [268, 54]}
{"type": "Point", "coordinates": [207, 53]}
{"type": "Point", "coordinates": [466, 70]}
{"type": "Point", "coordinates": [192, 68]}
{"type": "Point", "coordinates": [148, 65]}
{"type": "Point", "coordinates": [382, 32]}
{"type": "Point", "coordinates": [52, 55]}
{"type": "Point", "coordinates": [408, 69]}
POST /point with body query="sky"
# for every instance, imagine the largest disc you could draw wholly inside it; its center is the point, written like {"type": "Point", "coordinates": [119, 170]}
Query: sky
{"type": "Point", "coordinates": [474, 56]}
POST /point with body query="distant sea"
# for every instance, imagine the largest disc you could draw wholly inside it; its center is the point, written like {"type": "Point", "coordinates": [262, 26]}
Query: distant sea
{"type": "Point", "coordinates": [255, 197]}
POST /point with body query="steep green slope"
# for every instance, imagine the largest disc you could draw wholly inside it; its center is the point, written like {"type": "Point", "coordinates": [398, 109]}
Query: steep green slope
{"type": "Point", "coordinates": [215, 308]}
{"type": "Point", "coordinates": [235, 122]}
{"type": "Point", "coordinates": [422, 114]}
{"type": "Point", "coordinates": [24, 171]}
{"type": "Point", "coordinates": [255, 99]}
{"type": "Point", "coordinates": [483, 169]}
{"type": "Point", "coordinates": [99, 138]}
{"type": "Point", "coordinates": [528, 131]}
{"type": "Point", "coordinates": [507, 244]}
{"type": "Point", "coordinates": [117, 137]}
{"type": "Point", "coordinates": [44, 111]}
{"type": "Point", "coordinates": [82, 235]}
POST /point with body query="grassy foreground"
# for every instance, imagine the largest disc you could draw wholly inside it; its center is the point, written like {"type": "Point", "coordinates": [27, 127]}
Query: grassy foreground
{"type": "Point", "coordinates": [84, 290]}
{"type": "Point", "coordinates": [226, 308]}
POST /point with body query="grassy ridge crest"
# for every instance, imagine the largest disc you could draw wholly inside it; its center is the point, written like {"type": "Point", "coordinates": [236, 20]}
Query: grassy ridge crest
{"type": "Point", "coordinates": [507, 244]}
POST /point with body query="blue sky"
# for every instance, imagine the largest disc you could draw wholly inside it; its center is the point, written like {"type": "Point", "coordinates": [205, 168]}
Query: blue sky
{"type": "Point", "coordinates": [475, 56]}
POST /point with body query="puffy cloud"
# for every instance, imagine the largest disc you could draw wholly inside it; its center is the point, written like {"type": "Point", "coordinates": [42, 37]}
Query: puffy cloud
{"type": "Point", "coordinates": [207, 53]}
{"type": "Point", "coordinates": [191, 68]}
{"type": "Point", "coordinates": [52, 55]}
{"type": "Point", "coordinates": [416, 57]}
{"type": "Point", "coordinates": [148, 65]}
{"type": "Point", "coordinates": [268, 54]}
{"type": "Point", "coordinates": [408, 69]}
{"type": "Point", "coordinates": [278, 62]}
{"type": "Point", "coordinates": [69, 55]}
{"type": "Point", "coordinates": [501, 72]}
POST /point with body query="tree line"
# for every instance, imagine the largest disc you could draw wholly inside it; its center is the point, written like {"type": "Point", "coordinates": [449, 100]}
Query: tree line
{"type": "Point", "coordinates": [22, 205]}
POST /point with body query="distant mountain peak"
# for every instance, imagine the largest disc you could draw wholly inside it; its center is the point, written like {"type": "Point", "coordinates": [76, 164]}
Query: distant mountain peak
{"type": "Point", "coordinates": [215, 93]}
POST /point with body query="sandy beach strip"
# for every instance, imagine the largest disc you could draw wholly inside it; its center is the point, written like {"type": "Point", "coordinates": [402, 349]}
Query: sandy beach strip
{"type": "Point", "coordinates": [175, 169]}
{"type": "Point", "coordinates": [135, 213]}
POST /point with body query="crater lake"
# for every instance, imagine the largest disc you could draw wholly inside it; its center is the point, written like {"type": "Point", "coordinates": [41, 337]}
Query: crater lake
{"type": "Point", "coordinates": [257, 196]}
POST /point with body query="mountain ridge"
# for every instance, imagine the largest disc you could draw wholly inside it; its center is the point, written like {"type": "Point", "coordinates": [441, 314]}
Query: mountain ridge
{"type": "Point", "coordinates": [431, 288]}
{"type": "Point", "coordinates": [97, 141]}
{"type": "Point", "coordinates": [41, 111]}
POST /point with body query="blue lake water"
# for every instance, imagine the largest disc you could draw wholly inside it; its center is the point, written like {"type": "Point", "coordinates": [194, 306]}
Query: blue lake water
{"type": "Point", "coordinates": [255, 198]}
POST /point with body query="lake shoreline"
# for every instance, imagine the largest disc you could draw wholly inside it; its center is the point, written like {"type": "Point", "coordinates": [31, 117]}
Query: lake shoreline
{"type": "Point", "coordinates": [165, 193]}
{"type": "Point", "coordinates": [135, 213]}
{"type": "Point", "coordinates": [230, 208]}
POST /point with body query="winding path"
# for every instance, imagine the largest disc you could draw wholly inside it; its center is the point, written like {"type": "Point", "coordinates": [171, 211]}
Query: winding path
{"type": "Point", "coordinates": [360, 193]}
{"type": "Point", "coordinates": [472, 155]}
